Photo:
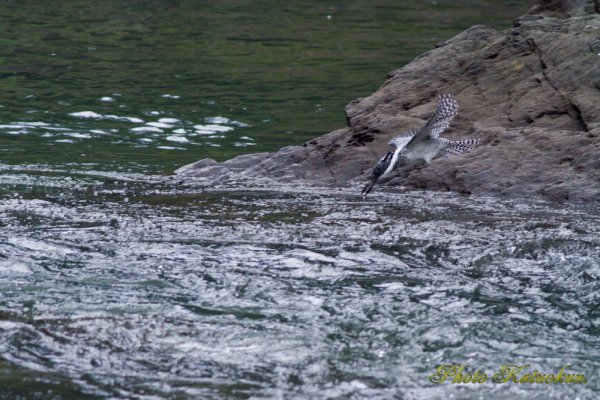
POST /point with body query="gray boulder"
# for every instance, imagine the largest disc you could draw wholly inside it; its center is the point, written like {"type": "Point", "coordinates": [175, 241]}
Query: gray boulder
{"type": "Point", "coordinates": [531, 94]}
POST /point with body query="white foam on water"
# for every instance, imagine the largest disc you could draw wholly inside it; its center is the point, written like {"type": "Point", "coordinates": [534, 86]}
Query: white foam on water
{"type": "Point", "coordinates": [56, 128]}
{"type": "Point", "coordinates": [176, 138]}
{"type": "Point", "coordinates": [9, 267]}
{"type": "Point", "coordinates": [224, 120]}
{"type": "Point", "coordinates": [146, 129]}
{"type": "Point", "coordinates": [21, 128]}
{"type": "Point", "coordinates": [78, 135]}
{"type": "Point", "coordinates": [86, 114]}
{"type": "Point", "coordinates": [217, 120]}
{"type": "Point", "coordinates": [159, 125]}
{"type": "Point", "coordinates": [203, 132]}
{"type": "Point", "coordinates": [6, 325]}
{"type": "Point", "coordinates": [36, 123]}
{"type": "Point", "coordinates": [169, 120]}
{"type": "Point", "coordinates": [170, 96]}
{"type": "Point", "coordinates": [38, 245]}
{"type": "Point", "coordinates": [180, 131]}
{"type": "Point", "coordinates": [95, 115]}
{"type": "Point", "coordinates": [13, 127]}
{"type": "Point", "coordinates": [170, 148]}
{"type": "Point", "coordinates": [213, 128]}
{"type": "Point", "coordinates": [107, 99]}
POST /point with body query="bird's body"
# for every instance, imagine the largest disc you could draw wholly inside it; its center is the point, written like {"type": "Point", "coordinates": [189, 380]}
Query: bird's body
{"type": "Point", "coordinates": [422, 144]}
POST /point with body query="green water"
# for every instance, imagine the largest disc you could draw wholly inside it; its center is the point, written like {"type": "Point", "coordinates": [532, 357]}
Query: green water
{"type": "Point", "coordinates": [118, 282]}
{"type": "Point", "coordinates": [280, 72]}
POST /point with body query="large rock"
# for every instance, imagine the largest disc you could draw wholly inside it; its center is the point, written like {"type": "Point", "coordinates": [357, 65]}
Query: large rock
{"type": "Point", "coordinates": [531, 94]}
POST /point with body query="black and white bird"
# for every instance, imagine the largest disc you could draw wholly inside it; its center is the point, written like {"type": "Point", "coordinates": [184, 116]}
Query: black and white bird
{"type": "Point", "coordinates": [424, 143]}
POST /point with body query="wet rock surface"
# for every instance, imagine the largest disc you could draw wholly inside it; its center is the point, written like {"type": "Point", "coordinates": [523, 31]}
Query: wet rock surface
{"type": "Point", "coordinates": [530, 94]}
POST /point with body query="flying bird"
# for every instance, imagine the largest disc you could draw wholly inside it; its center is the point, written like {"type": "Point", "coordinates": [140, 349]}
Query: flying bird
{"type": "Point", "coordinates": [424, 143]}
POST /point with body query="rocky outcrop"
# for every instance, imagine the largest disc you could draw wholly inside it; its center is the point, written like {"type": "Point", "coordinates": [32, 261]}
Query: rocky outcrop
{"type": "Point", "coordinates": [564, 8]}
{"type": "Point", "coordinates": [531, 94]}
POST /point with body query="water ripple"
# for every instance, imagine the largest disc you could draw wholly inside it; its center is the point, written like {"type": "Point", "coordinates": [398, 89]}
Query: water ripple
{"type": "Point", "coordinates": [255, 292]}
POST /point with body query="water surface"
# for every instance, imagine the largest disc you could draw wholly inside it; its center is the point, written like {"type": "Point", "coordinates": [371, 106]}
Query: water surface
{"type": "Point", "coordinates": [117, 281]}
{"type": "Point", "coordinates": [147, 86]}
{"type": "Point", "coordinates": [140, 288]}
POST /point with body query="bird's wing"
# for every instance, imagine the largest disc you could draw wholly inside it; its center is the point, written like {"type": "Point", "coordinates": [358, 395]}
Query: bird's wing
{"type": "Point", "coordinates": [440, 119]}
{"type": "Point", "coordinates": [457, 147]}
{"type": "Point", "coordinates": [402, 140]}
{"type": "Point", "coordinates": [401, 161]}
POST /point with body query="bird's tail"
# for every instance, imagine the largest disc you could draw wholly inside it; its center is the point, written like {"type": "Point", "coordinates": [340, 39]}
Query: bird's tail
{"type": "Point", "coordinates": [458, 147]}
{"type": "Point", "coordinates": [368, 188]}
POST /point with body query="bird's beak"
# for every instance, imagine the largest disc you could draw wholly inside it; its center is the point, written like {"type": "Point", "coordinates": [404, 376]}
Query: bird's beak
{"type": "Point", "coordinates": [368, 188]}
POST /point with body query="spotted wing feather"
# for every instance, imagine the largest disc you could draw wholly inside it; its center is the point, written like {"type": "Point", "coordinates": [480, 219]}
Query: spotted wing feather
{"type": "Point", "coordinates": [401, 161]}
{"type": "Point", "coordinates": [458, 147]}
{"type": "Point", "coordinates": [440, 120]}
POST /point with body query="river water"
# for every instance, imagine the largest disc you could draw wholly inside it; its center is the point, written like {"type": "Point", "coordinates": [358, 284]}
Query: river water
{"type": "Point", "coordinates": [119, 281]}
